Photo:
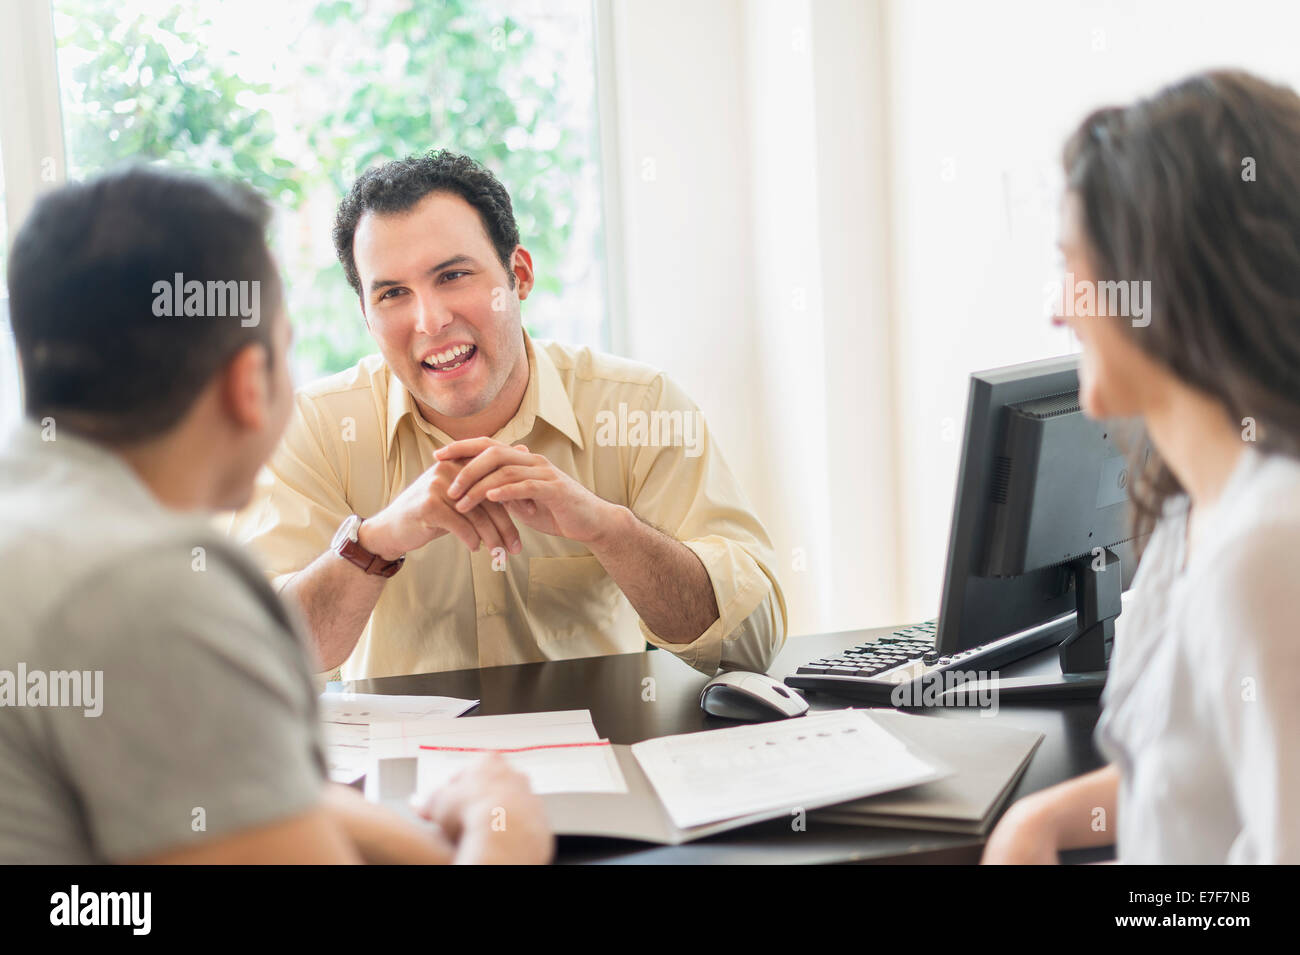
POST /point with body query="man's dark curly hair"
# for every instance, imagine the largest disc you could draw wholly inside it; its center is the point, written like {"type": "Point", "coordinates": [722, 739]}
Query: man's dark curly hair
{"type": "Point", "coordinates": [399, 185]}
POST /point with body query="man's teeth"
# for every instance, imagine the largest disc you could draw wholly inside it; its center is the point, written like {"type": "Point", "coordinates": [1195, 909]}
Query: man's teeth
{"type": "Point", "coordinates": [450, 355]}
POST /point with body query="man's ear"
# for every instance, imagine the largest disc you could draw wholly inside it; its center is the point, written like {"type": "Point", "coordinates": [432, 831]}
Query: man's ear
{"type": "Point", "coordinates": [522, 266]}
{"type": "Point", "coordinates": [246, 387]}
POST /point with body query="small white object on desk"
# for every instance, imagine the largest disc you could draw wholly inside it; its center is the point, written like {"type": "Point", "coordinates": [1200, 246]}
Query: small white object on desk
{"type": "Point", "coordinates": [346, 720]}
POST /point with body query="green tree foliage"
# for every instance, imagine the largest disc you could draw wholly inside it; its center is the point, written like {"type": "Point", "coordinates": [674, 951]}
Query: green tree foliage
{"type": "Point", "coordinates": [148, 92]}
{"type": "Point", "coordinates": [465, 84]}
{"type": "Point", "coordinates": [464, 87]}
{"type": "Point", "coordinates": [402, 77]}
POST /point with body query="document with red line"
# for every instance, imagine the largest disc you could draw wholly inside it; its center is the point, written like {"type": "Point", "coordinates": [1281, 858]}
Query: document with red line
{"type": "Point", "coordinates": [559, 752]}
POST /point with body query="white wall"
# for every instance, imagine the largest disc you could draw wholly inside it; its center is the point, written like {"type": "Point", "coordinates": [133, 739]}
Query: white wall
{"type": "Point", "coordinates": [982, 97]}
{"type": "Point", "coordinates": [854, 207]}
{"type": "Point", "coordinates": [821, 321]}
{"type": "Point", "coordinates": [755, 209]}
{"type": "Point", "coordinates": [684, 183]}
{"type": "Point", "coordinates": [784, 269]}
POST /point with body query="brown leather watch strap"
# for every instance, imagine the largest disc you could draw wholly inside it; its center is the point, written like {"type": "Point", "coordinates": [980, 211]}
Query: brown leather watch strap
{"type": "Point", "coordinates": [370, 563]}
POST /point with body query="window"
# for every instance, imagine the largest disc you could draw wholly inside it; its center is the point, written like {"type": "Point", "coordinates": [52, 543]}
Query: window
{"type": "Point", "coordinates": [9, 399]}
{"type": "Point", "coordinates": [4, 226]}
{"type": "Point", "coordinates": [296, 98]}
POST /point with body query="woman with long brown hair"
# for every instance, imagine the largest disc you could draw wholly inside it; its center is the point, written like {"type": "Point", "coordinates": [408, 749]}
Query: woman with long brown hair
{"type": "Point", "coordinates": [1196, 190]}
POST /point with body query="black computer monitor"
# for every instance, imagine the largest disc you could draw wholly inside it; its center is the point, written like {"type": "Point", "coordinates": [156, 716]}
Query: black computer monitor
{"type": "Point", "coordinates": [1040, 542]}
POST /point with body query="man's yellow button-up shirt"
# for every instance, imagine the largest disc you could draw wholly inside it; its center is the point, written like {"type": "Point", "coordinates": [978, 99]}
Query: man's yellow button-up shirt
{"type": "Point", "coordinates": [625, 431]}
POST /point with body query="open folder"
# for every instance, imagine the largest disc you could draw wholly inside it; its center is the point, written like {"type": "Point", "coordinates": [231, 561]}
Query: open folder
{"type": "Point", "coordinates": [987, 759]}
{"type": "Point", "coordinates": [685, 787]}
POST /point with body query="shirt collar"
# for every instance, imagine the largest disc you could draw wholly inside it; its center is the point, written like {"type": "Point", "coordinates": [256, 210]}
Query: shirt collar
{"type": "Point", "coordinates": [30, 438]}
{"type": "Point", "coordinates": [544, 398]}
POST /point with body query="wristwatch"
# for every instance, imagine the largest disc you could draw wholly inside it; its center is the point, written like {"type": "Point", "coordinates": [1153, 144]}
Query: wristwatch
{"type": "Point", "coordinates": [347, 546]}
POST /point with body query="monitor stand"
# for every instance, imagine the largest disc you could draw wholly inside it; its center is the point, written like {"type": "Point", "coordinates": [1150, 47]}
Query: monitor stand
{"type": "Point", "coordinates": [1084, 654]}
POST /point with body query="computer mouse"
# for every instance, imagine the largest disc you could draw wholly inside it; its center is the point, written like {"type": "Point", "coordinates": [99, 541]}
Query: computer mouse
{"type": "Point", "coordinates": [753, 697]}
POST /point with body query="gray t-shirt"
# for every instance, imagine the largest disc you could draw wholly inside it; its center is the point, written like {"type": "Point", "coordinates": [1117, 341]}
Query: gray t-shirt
{"type": "Point", "coordinates": [113, 605]}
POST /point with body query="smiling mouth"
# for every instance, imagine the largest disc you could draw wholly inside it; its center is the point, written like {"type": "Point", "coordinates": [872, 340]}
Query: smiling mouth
{"type": "Point", "coordinates": [451, 359]}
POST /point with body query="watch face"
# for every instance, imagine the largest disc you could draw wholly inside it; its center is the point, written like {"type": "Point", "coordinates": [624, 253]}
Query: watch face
{"type": "Point", "coordinates": [347, 531]}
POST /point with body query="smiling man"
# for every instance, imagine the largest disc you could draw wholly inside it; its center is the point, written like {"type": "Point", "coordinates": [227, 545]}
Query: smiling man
{"type": "Point", "coordinates": [470, 497]}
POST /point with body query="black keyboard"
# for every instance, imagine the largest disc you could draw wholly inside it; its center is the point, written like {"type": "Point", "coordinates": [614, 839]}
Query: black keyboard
{"type": "Point", "coordinates": [899, 666]}
{"type": "Point", "coordinates": [877, 656]}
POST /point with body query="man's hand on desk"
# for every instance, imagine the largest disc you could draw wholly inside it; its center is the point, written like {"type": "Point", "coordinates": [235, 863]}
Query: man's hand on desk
{"type": "Point", "coordinates": [424, 512]}
{"type": "Point", "coordinates": [533, 490]}
{"type": "Point", "coordinates": [487, 814]}
{"type": "Point", "coordinates": [491, 815]}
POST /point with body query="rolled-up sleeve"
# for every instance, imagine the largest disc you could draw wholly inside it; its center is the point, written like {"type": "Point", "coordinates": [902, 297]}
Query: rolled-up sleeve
{"type": "Point", "coordinates": [685, 488]}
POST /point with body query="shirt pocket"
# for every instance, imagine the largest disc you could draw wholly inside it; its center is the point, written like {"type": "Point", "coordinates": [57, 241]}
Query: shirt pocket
{"type": "Point", "coordinates": [570, 598]}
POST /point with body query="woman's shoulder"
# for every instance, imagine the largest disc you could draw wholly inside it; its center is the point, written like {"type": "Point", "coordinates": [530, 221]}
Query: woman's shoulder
{"type": "Point", "coordinates": [1259, 510]}
{"type": "Point", "coordinates": [1248, 573]}
{"type": "Point", "coordinates": [1271, 487]}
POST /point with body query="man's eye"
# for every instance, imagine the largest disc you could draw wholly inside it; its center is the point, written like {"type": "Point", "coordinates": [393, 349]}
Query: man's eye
{"type": "Point", "coordinates": [449, 276]}
{"type": "Point", "coordinates": [391, 292]}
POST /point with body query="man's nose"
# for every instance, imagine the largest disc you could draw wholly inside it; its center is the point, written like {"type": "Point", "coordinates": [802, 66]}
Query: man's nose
{"type": "Point", "coordinates": [432, 315]}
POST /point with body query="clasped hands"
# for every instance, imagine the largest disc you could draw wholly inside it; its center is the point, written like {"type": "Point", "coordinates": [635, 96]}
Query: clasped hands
{"type": "Point", "coordinates": [478, 490]}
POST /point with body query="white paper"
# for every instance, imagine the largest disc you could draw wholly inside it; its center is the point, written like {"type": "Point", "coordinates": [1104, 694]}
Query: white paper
{"type": "Point", "coordinates": [720, 774]}
{"type": "Point", "coordinates": [558, 752]}
{"type": "Point", "coordinates": [394, 739]}
{"type": "Point", "coordinates": [583, 768]}
{"type": "Point", "coordinates": [346, 719]}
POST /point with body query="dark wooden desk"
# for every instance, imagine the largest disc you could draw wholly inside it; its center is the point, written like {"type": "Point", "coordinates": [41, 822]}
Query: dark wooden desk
{"type": "Point", "coordinates": [614, 687]}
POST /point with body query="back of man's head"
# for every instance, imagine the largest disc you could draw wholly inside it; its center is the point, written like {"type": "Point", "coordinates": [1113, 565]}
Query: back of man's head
{"type": "Point", "coordinates": [129, 293]}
